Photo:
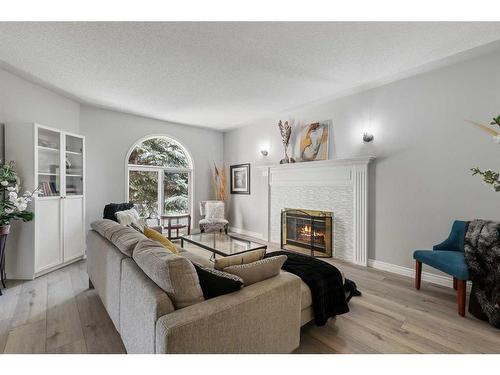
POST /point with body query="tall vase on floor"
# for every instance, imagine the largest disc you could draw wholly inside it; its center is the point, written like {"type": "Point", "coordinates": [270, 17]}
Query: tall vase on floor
{"type": "Point", "coordinates": [4, 232]}
{"type": "Point", "coordinates": [13, 206]}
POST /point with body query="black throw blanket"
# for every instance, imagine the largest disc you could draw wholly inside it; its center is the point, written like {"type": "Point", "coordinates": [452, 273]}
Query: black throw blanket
{"type": "Point", "coordinates": [482, 255]}
{"type": "Point", "coordinates": [329, 296]}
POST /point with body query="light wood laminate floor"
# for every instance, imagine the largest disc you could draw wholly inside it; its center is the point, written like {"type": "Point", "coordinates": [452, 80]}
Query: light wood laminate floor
{"type": "Point", "coordinates": [57, 313]}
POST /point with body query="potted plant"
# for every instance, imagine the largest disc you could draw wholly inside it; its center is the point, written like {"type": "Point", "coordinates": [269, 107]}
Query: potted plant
{"type": "Point", "coordinates": [13, 206]}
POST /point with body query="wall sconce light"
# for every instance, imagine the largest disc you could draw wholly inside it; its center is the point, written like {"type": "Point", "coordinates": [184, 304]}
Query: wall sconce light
{"type": "Point", "coordinates": [264, 152]}
{"type": "Point", "coordinates": [367, 137]}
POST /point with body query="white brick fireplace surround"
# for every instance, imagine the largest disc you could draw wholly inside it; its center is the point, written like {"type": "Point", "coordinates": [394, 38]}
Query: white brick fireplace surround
{"type": "Point", "coordinates": [339, 186]}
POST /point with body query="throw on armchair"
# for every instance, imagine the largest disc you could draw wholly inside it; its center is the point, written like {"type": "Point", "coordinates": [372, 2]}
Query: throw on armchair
{"type": "Point", "coordinates": [448, 257]}
{"type": "Point", "coordinates": [213, 216]}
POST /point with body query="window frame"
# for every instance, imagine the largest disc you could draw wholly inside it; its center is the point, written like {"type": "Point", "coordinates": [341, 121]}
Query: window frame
{"type": "Point", "coordinates": [161, 172]}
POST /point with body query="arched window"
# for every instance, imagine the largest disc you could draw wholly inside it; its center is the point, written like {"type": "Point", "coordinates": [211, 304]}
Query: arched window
{"type": "Point", "coordinates": [159, 177]}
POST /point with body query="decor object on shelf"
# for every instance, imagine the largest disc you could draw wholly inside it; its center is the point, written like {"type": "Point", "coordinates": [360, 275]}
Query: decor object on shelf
{"type": "Point", "coordinates": [240, 178]}
{"type": "Point", "coordinates": [220, 183]}
{"type": "Point", "coordinates": [489, 176]}
{"type": "Point", "coordinates": [448, 257]}
{"type": "Point", "coordinates": [367, 137]}
{"type": "Point", "coordinates": [286, 132]}
{"type": "Point", "coordinates": [213, 216]}
{"type": "Point", "coordinates": [313, 141]}
{"type": "Point", "coordinates": [12, 207]}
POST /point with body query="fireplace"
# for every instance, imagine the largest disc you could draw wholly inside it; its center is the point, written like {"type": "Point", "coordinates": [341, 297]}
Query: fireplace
{"type": "Point", "coordinates": [307, 230]}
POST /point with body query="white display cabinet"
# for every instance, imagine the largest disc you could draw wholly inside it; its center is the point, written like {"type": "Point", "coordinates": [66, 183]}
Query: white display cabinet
{"type": "Point", "coordinates": [54, 161]}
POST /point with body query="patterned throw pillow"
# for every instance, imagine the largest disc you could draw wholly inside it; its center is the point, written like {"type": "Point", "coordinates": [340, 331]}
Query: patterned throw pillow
{"type": "Point", "coordinates": [216, 283]}
{"type": "Point", "coordinates": [214, 210]}
{"type": "Point", "coordinates": [252, 273]}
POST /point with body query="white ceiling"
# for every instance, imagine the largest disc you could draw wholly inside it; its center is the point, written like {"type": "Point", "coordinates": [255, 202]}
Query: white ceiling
{"type": "Point", "coordinates": [222, 75]}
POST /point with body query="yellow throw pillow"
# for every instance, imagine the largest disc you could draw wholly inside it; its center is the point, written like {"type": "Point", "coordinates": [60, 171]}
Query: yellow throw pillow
{"type": "Point", "coordinates": [154, 235]}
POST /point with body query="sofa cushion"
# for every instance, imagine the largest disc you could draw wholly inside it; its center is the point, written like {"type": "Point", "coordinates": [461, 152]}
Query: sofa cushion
{"type": "Point", "coordinates": [124, 238]}
{"type": "Point", "coordinates": [216, 283]}
{"type": "Point", "coordinates": [238, 259]}
{"type": "Point", "coordinates": [174, 274]}
{"type": "Point", "coordinates": [196, 258]}
{"type": "Point", "coordinates": [305, 295]}
{"type": "Point", "coordinates": [252, 273]}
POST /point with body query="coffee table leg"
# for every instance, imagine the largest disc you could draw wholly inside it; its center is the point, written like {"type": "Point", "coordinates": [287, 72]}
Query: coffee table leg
{"type": "Point", "coordinates": [182, 242]}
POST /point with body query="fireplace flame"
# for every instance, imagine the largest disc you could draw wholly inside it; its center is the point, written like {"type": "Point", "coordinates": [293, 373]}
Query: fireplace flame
{"type": "Point", "coordinates": [307, 232]}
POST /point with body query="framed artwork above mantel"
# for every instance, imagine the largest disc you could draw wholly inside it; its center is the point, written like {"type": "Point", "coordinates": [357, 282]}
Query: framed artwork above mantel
{"type": "Point", "coordinates": [240, 178]}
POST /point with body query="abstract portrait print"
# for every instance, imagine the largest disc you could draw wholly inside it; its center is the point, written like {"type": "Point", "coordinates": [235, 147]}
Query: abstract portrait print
{"type": "Point", "coordinates": [314, 141]}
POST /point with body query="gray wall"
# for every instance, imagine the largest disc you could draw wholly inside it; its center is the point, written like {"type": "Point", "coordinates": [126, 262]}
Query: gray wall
{"type": "Point", "coordinates": [23, 101]}
{"type": "Point", "coordinates": [110, 135]}
{"type": "Point", "coordinates": [424, 148]}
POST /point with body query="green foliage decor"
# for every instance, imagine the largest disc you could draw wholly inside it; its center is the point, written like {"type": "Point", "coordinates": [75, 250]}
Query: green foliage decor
{"type": "Point", "coordinates": [489, 176]}
{"type": "Point", "coordinates": [13, 206]}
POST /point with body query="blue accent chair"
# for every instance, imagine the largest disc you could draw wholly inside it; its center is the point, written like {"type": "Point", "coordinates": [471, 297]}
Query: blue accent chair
{"type": "Point", "coordinates": [447, 257]}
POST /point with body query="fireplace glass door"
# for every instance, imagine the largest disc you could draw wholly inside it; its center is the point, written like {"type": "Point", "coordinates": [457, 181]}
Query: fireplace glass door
{"type": "Point", "coordinates": [306, 230]}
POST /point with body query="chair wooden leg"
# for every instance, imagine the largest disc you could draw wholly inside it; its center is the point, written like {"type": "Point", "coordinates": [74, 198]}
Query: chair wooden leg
{"type": "Point", "coordinates": [461, 289]}
{"type": "Point", "coordinates": [455, 286]}
{"type": "Point", "coordinates": [418, 274]}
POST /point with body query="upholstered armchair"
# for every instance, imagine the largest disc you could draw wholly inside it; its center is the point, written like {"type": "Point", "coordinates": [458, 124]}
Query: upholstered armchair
{"type": "Point", "coordinates": [448, 257]}
{"type": "Point", "coordinates": [213, 216]}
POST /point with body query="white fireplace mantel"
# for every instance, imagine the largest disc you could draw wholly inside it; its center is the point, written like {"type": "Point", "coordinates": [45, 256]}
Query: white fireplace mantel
{"type": "Point", "coordinates": [344, 190]}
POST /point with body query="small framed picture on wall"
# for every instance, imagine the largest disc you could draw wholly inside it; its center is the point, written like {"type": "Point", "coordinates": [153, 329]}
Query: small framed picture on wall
{"type": "Point", "coordinates": [240, 178]}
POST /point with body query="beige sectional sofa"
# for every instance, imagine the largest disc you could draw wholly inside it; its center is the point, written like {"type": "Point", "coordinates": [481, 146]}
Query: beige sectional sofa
{"type": "Point", "coordinates": [261, 318]}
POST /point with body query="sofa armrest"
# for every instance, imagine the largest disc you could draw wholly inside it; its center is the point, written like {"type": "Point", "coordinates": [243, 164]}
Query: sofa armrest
{"type": "Point", "coordinates": [261, 318]}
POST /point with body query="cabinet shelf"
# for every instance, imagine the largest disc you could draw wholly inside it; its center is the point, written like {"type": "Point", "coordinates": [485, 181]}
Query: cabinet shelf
{"type": "Point", "coordinates": [73, 153]}
{"type": "Point", "coordinates": [49, 149]}
{"type": "Point", "coordinates": [47, 174]}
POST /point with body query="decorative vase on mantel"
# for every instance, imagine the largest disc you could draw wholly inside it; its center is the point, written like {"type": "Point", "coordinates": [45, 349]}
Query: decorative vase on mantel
{"type": "Point", "coordinates": [286, 132]}
{"type": "Point", "coordinates": [287, 159]}
{"type": "Point", "coordinates": [4, 232]}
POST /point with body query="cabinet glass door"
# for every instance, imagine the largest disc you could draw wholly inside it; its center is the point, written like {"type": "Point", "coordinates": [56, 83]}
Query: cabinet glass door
{"type": "Point", "coordinates": [49, 161]}
{"type": "Point", "coordinates": [74, 165]}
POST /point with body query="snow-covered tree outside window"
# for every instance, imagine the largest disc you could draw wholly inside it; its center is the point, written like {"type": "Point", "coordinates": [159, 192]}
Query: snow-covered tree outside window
{"type": "Point", "coordinates": [159, 177]}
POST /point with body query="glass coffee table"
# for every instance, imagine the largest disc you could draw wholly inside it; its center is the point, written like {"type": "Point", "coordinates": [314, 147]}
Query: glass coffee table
{"type": "Point", "coordinates": [221, 243]}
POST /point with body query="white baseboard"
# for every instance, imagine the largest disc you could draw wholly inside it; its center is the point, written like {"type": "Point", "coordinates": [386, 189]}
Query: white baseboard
{"type": "Point", "coordinates": [410, 272]}
{"type": "Point", "coordinates": [246, 232]}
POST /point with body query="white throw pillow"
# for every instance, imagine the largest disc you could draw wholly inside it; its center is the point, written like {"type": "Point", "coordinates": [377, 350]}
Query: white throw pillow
{"type": "Point", "coordinates": [129, 217]}
{"type": "Point", "coordinates": [214, 210]}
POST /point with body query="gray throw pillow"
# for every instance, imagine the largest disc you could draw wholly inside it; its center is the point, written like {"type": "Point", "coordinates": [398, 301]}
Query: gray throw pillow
{"type": "Point", "coordinates": [252, 273]}
{"type": "Point", "coordinates": [235, 260]}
